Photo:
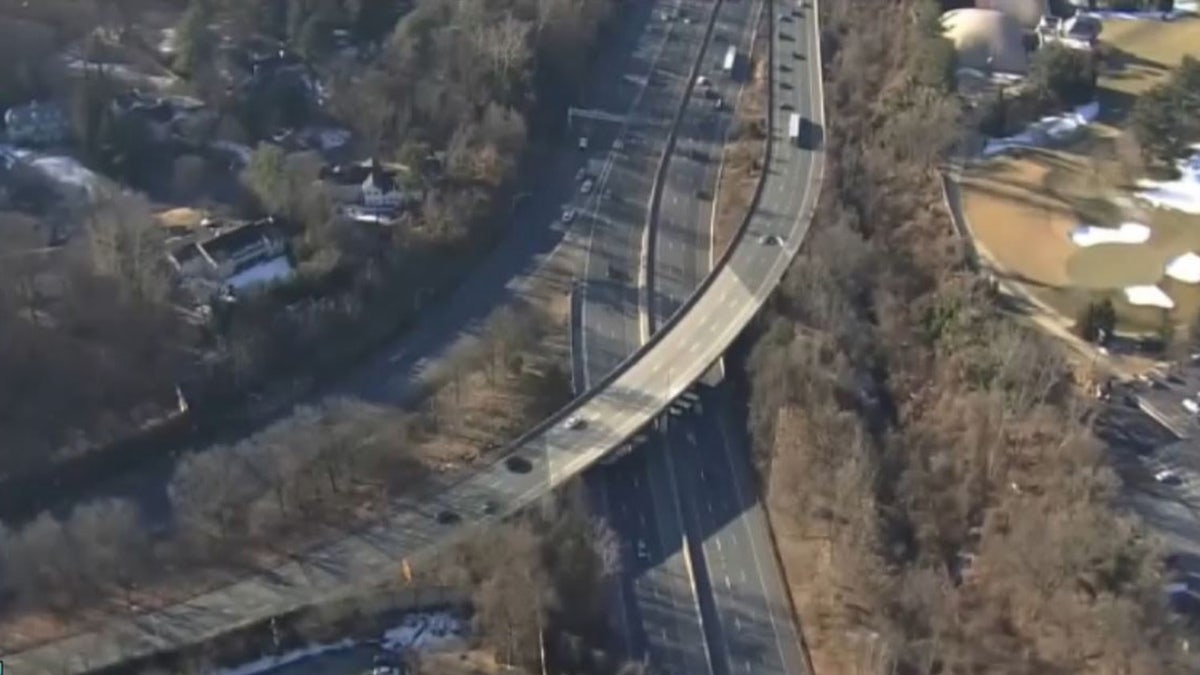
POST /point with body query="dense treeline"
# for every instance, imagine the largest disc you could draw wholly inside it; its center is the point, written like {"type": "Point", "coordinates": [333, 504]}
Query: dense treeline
{"type": "Point", "coordinates": [947, 507]}
{"type": "Point", "coordinates": [242, 505]}
{"type": "Point", "coordinates": [91, 342]}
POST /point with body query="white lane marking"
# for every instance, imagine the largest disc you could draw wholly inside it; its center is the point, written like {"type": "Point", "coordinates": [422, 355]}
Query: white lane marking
{"type": "Point", "coordinates": [758, 565]}
{"type": "Point", "coordinates": [718, 545]}
{"type": "Point", "coordinates": [728, 586]}
{"type": "Point", "coordinates": [602, 182]}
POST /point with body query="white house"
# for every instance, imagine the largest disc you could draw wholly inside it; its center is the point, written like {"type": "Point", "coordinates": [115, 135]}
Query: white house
{"type": "Point", "coordinates": [379, 189]}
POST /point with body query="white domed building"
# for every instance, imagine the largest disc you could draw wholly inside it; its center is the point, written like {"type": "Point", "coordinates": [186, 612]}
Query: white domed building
{"type": "Point", "coordinates": [987, 41]}
{"type": "Point", "coordinates": [1027, 13]}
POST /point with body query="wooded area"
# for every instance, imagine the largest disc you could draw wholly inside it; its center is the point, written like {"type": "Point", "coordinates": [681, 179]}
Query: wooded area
{"type": "Point", "coordinates": [91, 343]}
{"type": "Point", "coordinates": [943, 504]}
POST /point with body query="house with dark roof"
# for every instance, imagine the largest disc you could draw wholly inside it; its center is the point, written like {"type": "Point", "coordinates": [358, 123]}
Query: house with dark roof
{"type": "Point", "coordinates": [370, 187]}
{"type": "Point", "coordinates": [380, 189]}
{"type": "Point", "coordinates": [234, 258]}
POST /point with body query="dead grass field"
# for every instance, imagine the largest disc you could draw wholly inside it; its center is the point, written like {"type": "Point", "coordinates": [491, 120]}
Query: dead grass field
{"type": "Point", "coordinates": [1022, 209]}
{"type": "Point", "coordinates": [741, 159]}
{"type": "Point", "coordinates": [1140, 53]}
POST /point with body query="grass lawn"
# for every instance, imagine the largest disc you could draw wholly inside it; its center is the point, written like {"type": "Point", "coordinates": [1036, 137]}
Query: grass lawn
{"type": "Point", "coordinates": [1022, 209]}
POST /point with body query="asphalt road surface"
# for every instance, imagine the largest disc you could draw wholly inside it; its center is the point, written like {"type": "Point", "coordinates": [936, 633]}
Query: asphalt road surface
{"type": "Point", "coordinates": [610, 330]}
{"type": "Point", "coordinates": [658, 611]}
{"type": "Point", "coordinates": [550, 455]}
{"type": "Point", "coordinates": [615, 222]}
{"type": "Point", "coordinates": [749, 623]}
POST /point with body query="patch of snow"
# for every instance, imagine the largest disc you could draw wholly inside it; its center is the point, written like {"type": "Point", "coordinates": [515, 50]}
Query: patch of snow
{"type": "Point", "coordinates": [1185, 268]}
{"type": "Point", "coordinates": [1181, 194]}
{"type": "Point", "coordinates": [275, 269]}
{"type": "Point", "coordinates": [268, 663]}
{"type": "Point", "coordinates": [420, 630]}
{"type": "Point", "coordinates": [1148, 296]}
{"type": "Point", "coordinates": [1049, 128]}
{"type": "Point", "coordinates": [59, 168]}
{"type": "Point", "coordinates": [1126, 233]}
{"type": "Point", "coordinates": [1182, 8]}
{"type": "Point", "coordinates": [332, 139]}
{"type": "Point", "coordinates": [430, 630]}
{"type": "Point", "coordinates": [121, 72]}
{"type": "Point", "coordinates": [366, 214]}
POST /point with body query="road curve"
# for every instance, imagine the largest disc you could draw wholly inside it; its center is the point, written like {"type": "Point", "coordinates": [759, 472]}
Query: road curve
{"type": "Point", "coordinates": [661, 612]}
{"type": "Point", "coordinates": [624, 402]}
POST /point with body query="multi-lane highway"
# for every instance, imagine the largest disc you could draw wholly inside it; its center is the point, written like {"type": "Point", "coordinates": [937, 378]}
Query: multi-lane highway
{"type": "Point", "coordinates": [659, 609]}
{"type": "Point", "coordinates": [617, 407]}
{"type": "Point", "coordinates": [685, 504]}
{"type": "Point", "coordinates": [609, 326]}
{"type": "Point", "coordinates": [609, 317]}
{"type": "Point", "coordinates": [749, 621]}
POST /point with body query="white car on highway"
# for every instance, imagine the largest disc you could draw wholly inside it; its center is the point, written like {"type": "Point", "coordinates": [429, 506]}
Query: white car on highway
{"type": "Point", "coordinates": [568, 215]}
{"type": "Point", "coordinates": [1191, 406]}
{"type": "Point", "coordinates": [586, 186]}
{"type": "Point", "coordinates": [575, 423]}
{"type": "Point", "coordinates": [643, 553]}
{"type": "Point", "coordinates": [1168, 477]}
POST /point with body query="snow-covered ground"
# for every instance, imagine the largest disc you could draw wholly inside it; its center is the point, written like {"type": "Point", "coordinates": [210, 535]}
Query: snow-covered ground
{"type": "Point", "coordinates": [330, 138]}
{"type": "Point", "coordinates": [1181, 194]}
{"type": "Point", "coordinates": [275, 269]}
{"type": "Point", "coordinates": [121, 72]}
{"type": "Point", "coordinates": [1148, 296]}
{"type": "Point", "coordinates": [366, 214]}
{"type": "Point", "coordinates": [1182, 8]}
{"type": "Point", "coordinates": [61, 169]}
{"type": "Point", "coordinates": [1127, 233]}
{"type": "Point", "coordinates": [425, 631]}
{"type": "Point", "coordinates": [1185, 268]}
{"type": "Point", "coordinates": [1052, 128]}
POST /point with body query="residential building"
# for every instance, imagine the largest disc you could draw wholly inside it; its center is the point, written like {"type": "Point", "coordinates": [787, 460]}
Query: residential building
{"type": "Point", "coordinates": [369, 187]}
{"type": "Point", "coordinates": [1079, 32]}
{"type": "Point", "coordinates": [36, 124]}
{"type": "Point", "coordinates": [234, 258]}
{"type": "Point", "coordinates": [380, 190]}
